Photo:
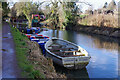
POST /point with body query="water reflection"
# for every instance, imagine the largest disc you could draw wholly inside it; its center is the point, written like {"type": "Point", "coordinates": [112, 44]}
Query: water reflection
{"type": "Point", "coordinates": [119, 61]}
{"type": "Point", "coordinates": [72, 73]}
{"type": "Point", "coordinates": [103, 50]}
{"type": "Point", "coordinates": [107, 45]}
{"type": "Point", "coordinates": [55, 33]}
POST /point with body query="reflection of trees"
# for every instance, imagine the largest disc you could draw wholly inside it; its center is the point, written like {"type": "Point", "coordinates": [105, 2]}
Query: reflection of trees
{"type": "Point", "coordinates": [119, 60]}
{"type": "Point", "coordinates": [105, 44]}
{"type": "Point", "coordinates": [69, 35]}
{"type": "Point", "coordinates": [77, 74]}
{"type": "Point", "coordinates": [55, 33]}
{"type": "Point", "coordinates": [65, 35]}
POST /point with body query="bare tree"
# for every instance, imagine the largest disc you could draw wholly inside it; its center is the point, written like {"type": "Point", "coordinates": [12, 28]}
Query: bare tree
{"type": "Point", "coordinates": [112, 5]}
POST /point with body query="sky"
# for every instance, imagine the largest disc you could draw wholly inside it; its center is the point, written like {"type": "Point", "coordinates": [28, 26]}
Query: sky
{"type": "Point", "coordinates": [95, 3]}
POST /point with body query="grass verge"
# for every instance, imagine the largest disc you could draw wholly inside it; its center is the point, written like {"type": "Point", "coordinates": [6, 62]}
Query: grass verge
{"type": "Point", "coordinates": [26, 67]}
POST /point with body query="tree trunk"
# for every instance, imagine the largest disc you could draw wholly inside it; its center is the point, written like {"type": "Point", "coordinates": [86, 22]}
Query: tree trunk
{"type": "Point", "coordinates": [29, 23]}
{"type": "Point", "coordinates": [29, 20]}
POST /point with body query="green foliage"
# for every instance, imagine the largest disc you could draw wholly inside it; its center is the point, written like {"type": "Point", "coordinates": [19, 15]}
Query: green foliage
{"type": "Point", "coordinates": [27, 9]}
{"type": "Point", "coordinates": [62, 13]}
{"type": "Point", "coordinates": [5, 9]}
{"type": "Point", "coordinates": [0, 4]}
{"type": "Point", "coordinates": [54, 16]}
{"type": "Point", "coordinates": [81, 16]}
{"type": "Point", "coordinates": [21, 54]}
{"type": "Point", "coordinates": [36, 74]}
{"type": "Point", "coordinates": [71, 15]}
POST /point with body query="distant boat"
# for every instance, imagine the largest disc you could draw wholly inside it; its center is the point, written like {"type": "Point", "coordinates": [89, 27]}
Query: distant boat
{"type": "Point", "coordinates": [67, 54]}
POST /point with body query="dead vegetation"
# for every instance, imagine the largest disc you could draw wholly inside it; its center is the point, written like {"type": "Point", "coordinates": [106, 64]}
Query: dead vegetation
{"type": "Point", "coordinates": [44, 65]}
{"type": "Point", "coordinates": [100, 20]}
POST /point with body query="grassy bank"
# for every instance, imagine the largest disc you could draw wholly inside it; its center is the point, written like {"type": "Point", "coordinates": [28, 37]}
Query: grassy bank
{"type": "Point", "coordinates": [30, 59]}
{"type": "Point", "coordinates": [26, 67]}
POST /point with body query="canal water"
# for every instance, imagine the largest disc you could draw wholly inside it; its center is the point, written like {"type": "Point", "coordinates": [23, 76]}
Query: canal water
{"type": "Point", "coordinates": [103, 50]}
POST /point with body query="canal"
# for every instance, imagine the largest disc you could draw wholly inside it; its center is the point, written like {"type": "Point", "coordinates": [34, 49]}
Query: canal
{"type": "Point", "coordinates": [103, 50]}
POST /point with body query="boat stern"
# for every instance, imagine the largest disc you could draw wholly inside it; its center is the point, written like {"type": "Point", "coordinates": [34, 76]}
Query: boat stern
{"type": "Point", "coordinates": [76, 62]}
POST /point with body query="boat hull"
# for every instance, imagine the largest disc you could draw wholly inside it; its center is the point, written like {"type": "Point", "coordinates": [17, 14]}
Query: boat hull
{"type": "Point", "coordinates": [70, 62]}
{"type": "Point", "coordinates": [73, 62]}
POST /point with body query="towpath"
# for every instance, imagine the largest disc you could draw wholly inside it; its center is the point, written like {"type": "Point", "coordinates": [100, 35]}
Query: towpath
{"type": "Point", "coordinates": [10, 67]}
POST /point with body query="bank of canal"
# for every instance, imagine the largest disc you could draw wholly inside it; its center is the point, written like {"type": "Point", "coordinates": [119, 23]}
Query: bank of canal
{"type": "Point", "coordinates": [30, 59]}
{"type": "Point", "coordinates": [103, 50]}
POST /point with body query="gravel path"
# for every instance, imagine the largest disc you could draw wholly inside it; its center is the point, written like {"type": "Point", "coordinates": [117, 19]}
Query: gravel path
{"type": "Point", "coordinates": [10, 68]}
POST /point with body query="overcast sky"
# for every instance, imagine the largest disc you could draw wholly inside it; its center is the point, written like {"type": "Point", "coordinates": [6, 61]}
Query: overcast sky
{"type": "Point", "coordinates": [95, 3]}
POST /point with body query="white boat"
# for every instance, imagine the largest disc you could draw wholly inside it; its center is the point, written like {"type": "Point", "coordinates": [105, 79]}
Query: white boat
{"type": "Point", "coordinates": [67, 54]}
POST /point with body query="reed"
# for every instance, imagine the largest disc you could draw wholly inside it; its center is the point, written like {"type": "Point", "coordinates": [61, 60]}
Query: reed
{"type": "Point", "coordinates": [100, 20]}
